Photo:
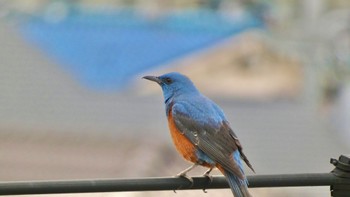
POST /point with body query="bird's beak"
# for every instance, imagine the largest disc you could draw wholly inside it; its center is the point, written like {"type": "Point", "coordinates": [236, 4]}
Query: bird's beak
{"type": "Point", "coordinates": [153, 78]}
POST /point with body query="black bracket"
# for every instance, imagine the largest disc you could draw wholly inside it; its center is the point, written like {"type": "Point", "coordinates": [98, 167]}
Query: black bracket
{"type": "Point", "coordinates": [341, 170]}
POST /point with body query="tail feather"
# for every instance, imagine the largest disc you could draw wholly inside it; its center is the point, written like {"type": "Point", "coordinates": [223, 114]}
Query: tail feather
{"type": "Point", "coordinates": [238, 186]}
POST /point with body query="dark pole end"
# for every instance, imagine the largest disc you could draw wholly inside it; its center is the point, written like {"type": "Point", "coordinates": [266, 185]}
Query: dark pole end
{"type": "Point", "coordinates": [342, 166]}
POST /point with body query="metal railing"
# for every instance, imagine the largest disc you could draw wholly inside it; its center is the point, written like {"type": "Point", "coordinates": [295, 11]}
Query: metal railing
{"type": "Point", "coordinates": [338, 180]}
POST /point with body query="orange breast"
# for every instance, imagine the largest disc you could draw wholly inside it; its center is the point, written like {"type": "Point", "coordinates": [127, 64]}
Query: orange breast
{"type": "Point", "coordinates": [182, 144]}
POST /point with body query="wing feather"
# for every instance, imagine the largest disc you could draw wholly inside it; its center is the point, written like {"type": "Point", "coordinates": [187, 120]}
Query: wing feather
{"type": "Point", "coordinates": [215, 138]}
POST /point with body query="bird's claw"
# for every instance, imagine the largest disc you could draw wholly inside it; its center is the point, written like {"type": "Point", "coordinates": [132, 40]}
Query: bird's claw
{"type": "Point", "coordinates": [184, 175]}
{"type": "Point", "coordinates": [210, 179]}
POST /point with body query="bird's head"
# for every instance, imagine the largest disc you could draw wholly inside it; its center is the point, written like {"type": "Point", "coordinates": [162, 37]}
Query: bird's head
{"type": "Point", "coordinates": [174, 84]}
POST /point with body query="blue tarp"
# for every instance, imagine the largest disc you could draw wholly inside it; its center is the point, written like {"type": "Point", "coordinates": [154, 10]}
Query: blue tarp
{"type": "Point", "coordinates": [104, 51]}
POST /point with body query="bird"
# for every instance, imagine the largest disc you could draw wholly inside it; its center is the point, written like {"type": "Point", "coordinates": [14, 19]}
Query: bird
{"type": "Point", "coordinates": [201, 133]}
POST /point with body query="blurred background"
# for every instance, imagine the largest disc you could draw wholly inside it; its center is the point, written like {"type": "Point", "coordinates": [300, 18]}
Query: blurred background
{"type": "Point", "coordinates": [73, 104]}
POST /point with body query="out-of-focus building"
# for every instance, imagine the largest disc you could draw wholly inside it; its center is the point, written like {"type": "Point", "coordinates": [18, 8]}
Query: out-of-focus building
{"type": "Point", "coordinates": [245, 67]}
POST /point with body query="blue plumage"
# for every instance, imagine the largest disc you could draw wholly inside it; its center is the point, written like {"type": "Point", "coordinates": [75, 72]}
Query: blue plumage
{"type": "Point", "coordinates": [204, 124]}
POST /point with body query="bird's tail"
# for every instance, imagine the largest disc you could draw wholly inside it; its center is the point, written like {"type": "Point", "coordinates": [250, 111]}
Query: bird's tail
{"type": "Point", "coordinates": [239, 187]}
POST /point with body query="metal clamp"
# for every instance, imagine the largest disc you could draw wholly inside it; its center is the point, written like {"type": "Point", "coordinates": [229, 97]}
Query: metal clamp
{"type": "Point", "coordinates": [342, 170]}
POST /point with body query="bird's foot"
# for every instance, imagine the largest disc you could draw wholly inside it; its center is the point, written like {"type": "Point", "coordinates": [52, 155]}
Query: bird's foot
{"type": "Point", "coordinates": [209, 177]}
{"type": "Point", "coordinates": [210, 180]}
{"type": "Point", "coordinates": [184, 175]}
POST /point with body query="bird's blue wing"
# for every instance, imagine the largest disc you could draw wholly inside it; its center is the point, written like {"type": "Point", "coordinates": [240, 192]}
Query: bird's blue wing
{"type": "Point", "coordinates": [206, 127]}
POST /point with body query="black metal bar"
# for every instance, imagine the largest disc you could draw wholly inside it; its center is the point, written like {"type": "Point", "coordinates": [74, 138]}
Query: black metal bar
{"type": "Point", "coordinates": [294, 180]}
{"type": "Point", "coordinates": [167, 183]}
{"type": "Point", "coordinates": [338, 180]}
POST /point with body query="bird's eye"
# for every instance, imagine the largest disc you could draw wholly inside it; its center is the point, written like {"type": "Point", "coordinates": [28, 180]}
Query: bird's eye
{"type": "Point", "coordinates": [168, 80]}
